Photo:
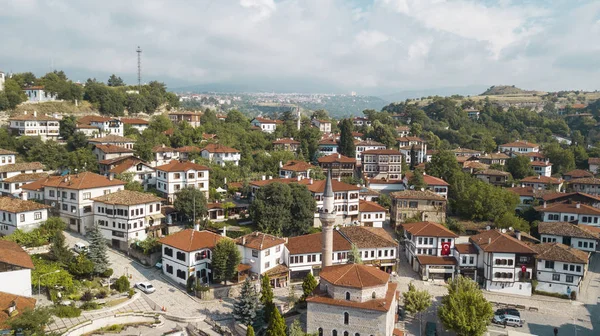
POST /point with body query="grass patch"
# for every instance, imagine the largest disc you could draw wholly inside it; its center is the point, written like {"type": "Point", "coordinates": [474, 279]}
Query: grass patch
{"type": "Point", "coordinates": [115, 302]}
{"type": "Point", "coordinates": [556, 295]}
{"type": "Point", "coordinates": [116, 328]}
{"type": "Point", "coordinates": [67, 311]}
{"type": "Point", "coordinates": [90, 306]}
{"type": "Point", "coordinates": [92, 284]}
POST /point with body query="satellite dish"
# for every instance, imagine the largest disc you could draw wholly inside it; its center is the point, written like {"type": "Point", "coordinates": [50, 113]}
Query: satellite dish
{"type": "Point", "coordinates": [503, 230]}
{"type": "Point", "coordinates": [487, 228]}
{"type": "Point", "coordinates": [510, 228]}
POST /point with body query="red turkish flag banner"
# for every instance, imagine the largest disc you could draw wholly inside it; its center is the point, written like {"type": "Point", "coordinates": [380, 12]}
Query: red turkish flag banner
{"type": "Point", "coordinates": [523, 269]}
{"type": "Point", "coordinates": [445, 248]}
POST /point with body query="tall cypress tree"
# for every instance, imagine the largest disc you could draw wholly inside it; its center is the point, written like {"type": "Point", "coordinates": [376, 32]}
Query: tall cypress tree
{"type": "Point", "coordinates": [246, 307]}
{"type": "Point", "coordinates": [346, 139]}
{"type": "Point", "coordinates": [276, 324]}
{"type": "Point", "coordinates": [97, 251]}
{"type": "Point", "coordinates": [266, 297]}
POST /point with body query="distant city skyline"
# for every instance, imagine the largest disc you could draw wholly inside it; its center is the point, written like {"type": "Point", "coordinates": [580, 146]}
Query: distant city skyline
{"type": "Point", "coordinates": [376, 47]}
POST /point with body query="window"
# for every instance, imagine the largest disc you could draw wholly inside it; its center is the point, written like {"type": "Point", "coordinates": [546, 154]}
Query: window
{"type": "Point", "coordinates": [348, 296]}
{"type": "Point", "coordinates": [181, 256]}
{"type": "Point", "coordinates": [267, 264]}
{"type": "Point", "coordinates": [580, 244]}
{"type": "Point", "coordinates": [87, 195]}
{"type": "Point", "coordinates": [65, 207]}
{"type": "Point", "coordinates": [334, 332]}
{"type": "Point", "coordinates": [278, 248]}
{"type": "Point", "coordinates": [572, 268]}
{"type": "Point", "coordinates": [579, 269]}
{"type": "Point", "coordinates": [346, 321]}
{"type": "Point", "coordinates": [569, 278]}
{"type": "Point", "coordinates": [87, 209]}
{"type": "Point", "coordinates": [555, 277]}
{"type": "Point", "coordinates": [345, 333]}
{"type": "Point", "coordinates": [420, 240]}
{"type": "Point", "coordinates": [267, 252]}
{"type": "Point", "coordinates": [21, 217]}
{"type": "Point", "coordinates": [471, 260]}
{"type": "Point", "coordinates": [51, 193]}
{"type": "Point", "coordinates": [181, 274]}
{"type": "Point", "coordinates": [464, 259]}
{"type": "Point", "coordinates": [549, 264]}
{"type": "Point", "coordinates": [320, 331]}
{"type": "Point", "coordinates": [430, 241]}
{"type": "Point", "coordinates": [168, 251]}
{"type": "Point", "coordinates": [255, 253]}
{"type": "Point", "coordinates": [379, 253]}
{"type": "Point", "coordinates": [37, 215]}
{"type": "Point", "coordinates": [373, 295]}
{"type": "Point", "coordinates": [177, 176]}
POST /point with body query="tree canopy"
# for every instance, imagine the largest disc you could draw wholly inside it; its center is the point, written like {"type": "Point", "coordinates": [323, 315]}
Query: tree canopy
{"type": "Point", "coordinates": [464, 309]}
{"type": "Point", "coordinates": [225, 260]}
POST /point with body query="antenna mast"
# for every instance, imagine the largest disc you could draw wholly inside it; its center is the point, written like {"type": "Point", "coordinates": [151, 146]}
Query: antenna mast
{"type": "Point", "coordinates": [139, 59]}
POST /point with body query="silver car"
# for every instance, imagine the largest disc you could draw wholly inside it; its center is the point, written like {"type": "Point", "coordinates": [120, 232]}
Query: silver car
{"type": "Point", "coordinates": [508, 320]}
{"type": "Point", "coordinates": [145, 287]}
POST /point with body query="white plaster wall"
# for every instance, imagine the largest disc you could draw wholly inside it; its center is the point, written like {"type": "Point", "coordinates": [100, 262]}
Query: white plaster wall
{"type": "Point", "coordinates": [16, 282]}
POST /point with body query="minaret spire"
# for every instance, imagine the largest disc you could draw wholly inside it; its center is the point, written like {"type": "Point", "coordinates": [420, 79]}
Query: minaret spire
{"type": "Point", "coordinates": [327, 217]}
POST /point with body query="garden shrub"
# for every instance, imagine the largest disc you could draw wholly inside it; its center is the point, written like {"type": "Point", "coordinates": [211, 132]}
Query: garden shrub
{"type": "Point", "coordinates": [101, 294]}
{"type": "Point", "coordinates": [108, 273]}
{"type": "Point", "coordinates": [90, 306]}
{"type": "Point", "coordinates": [87, 296]}
{"type": "Point", "coordinates": [122, 284]}
{"type": "Point", "coordinates": [131, 293]}
{"type": "Point", "coordinates": [67, 311]}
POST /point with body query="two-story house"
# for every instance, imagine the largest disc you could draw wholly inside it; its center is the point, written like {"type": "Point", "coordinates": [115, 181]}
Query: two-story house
{"type": "Point", "coordinates": [570, 212]}
{"type": "Point", "coordinates": [542, 182]}
{"type": "Point", "coordinates": [588, 185]}
{"type": "Point", "coordinates": [323, 125]}
{"type": "Point", "coordinates": [426, 205]}
{"type": "Point", "coordinates": [34, 124]}
{"type": "Point", "coordinates": [109, 152]}
{"type": "Point", "coordinates": [328, 146]}
{"type": "Point", "coordinates": [70, 196]}
{"type": "Point", "coordinates": [186, 152]}
{"type": "Point", "coordinates": [576, 174]}
{"type": "Point", "coordinates": [366, 145]}
{"type": "Point", "coordinates": [371, 214]}
{"type": "Point", "coordinates": [136, 123]}
{"type": "Point", "coordinates": [542, 168]}
{"type": "Point", "coordinates": [434, 184]}
{"type": "Point", "coordinates": [294, 168]}
{"type": "Point", "coordinates": [402, 131]}
{"type": "Point", "coordinates": [113, 139]}
{"type": "Point", "coordinates": [163, 155]}
{"type": "Point", "coordinates": [266, 254]}
{"type": "Point", "coordinates": [139, 170]}
{"type": "Point", "coordinates": [560, 268]}
{"type": "Point", "coordinates": [494, 158]}
{"type": "Point", "coordinates": [429, 249]}
{"type": "Point", "coordinates": [594, 165]}
{"type": "Point", "coordinates": [265, 125]}
{"type": "Point", "coordinates": [577, 236]}
{"type": "Point", "coordinates": [20, 214]}
{"type": "Point", "coordinates": [385, 164]}
{"type": "Point", "coordinates": [126, 216]}
{"type": "Point", "coordinates": [493, 176]}
{"type": "Point", "coordinates": [361, 121]}
{"type": "Point", "coordinates": [340, 165]}
{"type": "Point", "coordinates": [220, 154]}
{"type": "Point", "coordinates": [176, 175]}
{"type": "Point", "coordinates": [15, 269]}
{"type": "Point", "coordinates": [192, 118]}
{"type": "Point", "coordinates": [12, 170]}
{"type": "Point", "coordinates": [413, 148]}
{"type": "Point", "coordinates": [286, 144]}
{"type": "Point", "coordinates": [100, 126]}
{"type": "Point", "coordinates": [7, 157]}
{"type": "Point", "coordinates": [11, 186]}
{"type": "Point", "coordinates": [506, 264]}
{"type": "Point", "coordinates": [466, 152]}
{"type": "Point", "coordinates": [519, 146]}
{"type": "Point", "coordinates": [189, 252]}
{"type": "Point", "coordinates": [37, 94]}
{"type": "Point", "coordinates": [466, 258]}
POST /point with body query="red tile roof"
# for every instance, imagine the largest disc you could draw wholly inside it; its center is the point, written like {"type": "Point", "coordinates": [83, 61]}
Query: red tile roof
{"type": "Point", "coordinates": [560, 252]}
{"type": "Point", "coordinates": [382, 152]}
{"type": "Point", "coordinates": [428, 229]}
{"type": "Point", "coordinates": [179, 166]}
{"type": "Point", "coordinates": [297, 166]}
{"type": "Point", "coordinates": [354, 276]}
{"type": "Point", "coordinates": [381, 305]}
{"type": "Point", "coordinates": [541, 179]}
{"type": "Point", "coordinates": [22, 303]}
{"type": "Point", "coordinates": [30, 117]}
{"type": "Point", "coordinates": [218, 148]}
{"type": "Point", "coordinates": [16, 205]}
{"type": "Point", "coordinates": [128, 163]}
{"type": "Point", "coordinates": [113, 149]}
{"type": "Point", "coordinates": [191, 240]}
{"type": "Point", "coordinates": [259, 241]}
{"type": "Point", "coordinates": [577, 173]}
{"type": "Point", "coordinates": [434, 260]}
{"type": "Point", "coordinates": [576, 208]}
{"type": "Point", "coordinates": [434, 181]}
{"type": "Point", "coordinates": [85, 180]}
{"type": "Point", "coordinates": [494, 241]}
{"type": "Point", "coordinates": [188, 149]}
{"type": "Point", "coordinates": [492, 172]}
{"type": "Point", "coordinates": [312, 243]}
{"type": "Point", "coordinates": [134, 121]}
{"type": "Point", "coordinates": [267, 121]}
{"type": "Point", "coordinates": [283, 141]}
{"type": "Point", "coordinates": [317, 186]}
{"type": "Point", "coordinates": [540, 164]}
{"type": "Point", "coordinates": [127, 197]}
{"type": "Point", "coordinates": [13, 254]}
{"type": "Point", "coordinates": [21, 166]}
{"type": "Point", "coordinates": [585, 180]}
{"type": "Point", "coordinates": [567, 229]}
{"type": "Point", "coordinates": [594, 160]}
{"type": "Point", "coordinates": [336, 158]}
{"type": "Point", "coordinates": [467, 248]}
{"type": "Point", "coordinates": [162, 149]}
{"type": "Point", "coordinates": [417, 194]}
{"type": "Point", "coordinates": [367, 206]}
{"type": "Point", "coordinates": [368, 237]}
{"type": "Point", "coordinates": [86, 120]}
{"type": "Point", "coordinates": [521, 144]}
{"type": "Point", "coordinates": [112, 139]}
{"type": "Point", "coordinates": [7, 152]}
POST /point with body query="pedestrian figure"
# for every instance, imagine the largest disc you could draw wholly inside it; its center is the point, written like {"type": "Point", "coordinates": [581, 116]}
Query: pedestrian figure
{"type": "Point", "coordinates": [555, 331]}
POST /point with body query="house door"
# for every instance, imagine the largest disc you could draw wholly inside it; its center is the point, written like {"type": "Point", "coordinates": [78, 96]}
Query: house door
{"type": "Point", "coordinates": [567, 241]}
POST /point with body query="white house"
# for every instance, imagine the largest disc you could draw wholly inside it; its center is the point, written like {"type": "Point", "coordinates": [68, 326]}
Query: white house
{"type": "Point", "coordinates": [588, 185]}
{"type": "Point", "coordinates": [570, 212]}
{"type": "Point", "coordinates": [15, 269]}
{"type": "Point", "coordinates": [266, 255]}
{"type": "Point", "coordinates": [7, 157]}
{"type": "Point", "coordinates": [371, 214]}
{"type": "Point", "coordinates": [137, 123]}
{"type": "Point", "coordinates": [176, 175]}
{"type": "Point", "coordinates": [594, 165]}
{"type": "Point", "coordinates": [519, 146]}
{"type": "Point", "coordinates": [265, 125]}
{"type": "Point", "coordinates": [413, 148]}
{"type": "Point", "coordinates": [21, 214]}
{"type": "Point", "coordinates": [108, 152]}
{"type": "Point", "coordinates": [141, 171]}
{"type": "Point", "coordinates": [100, 126]}
{"type": "Point", "coordinates": [163, 155]}
{"type": "Point", "coordinates": [113, 139]}
{"type": "Point", "coordinates": [577, 236]}
{"type": "Point", "coordinates": [71, 196]}
{"type": "Point", "coordinates": [507, 262]}
{"type": "Point", "coordinates": [384, 164]}
{"type": "Point", "coordinates": [327, 146]}
{"type": "Point", "coordinates": [295, 168]}
{"type": "Point", "coordinates": [14, 169]}
{"type": "Point", "coordinates": [34, 124]}
{"type": "Point", "coordinates": [542, 182]}
{"type": "Point", "coordinates": [560, 268]}
{"type": "Point", "coordinates": [11, 186]}
{"type": "Point", "coordinates": [366, 145]}
{"type": "Point", "coordinates": [37, 94]}
{"type": "Point", "coordinates": [436, 185]}
{"type": "Point", "coordinates": [542, 168]}
{"type": "Point", "coordinates": [186, 152]}
{"type": "Point", "coordinates": [361, 121]}
{"type": "Point", "coordinates": [429, 249]}
{"type": "Point", "coordinates": [189, 252]}
{"type": "Point", "coordinates": [220, 154]}
{"type": "Point", "coordinates": [466, 257]}
{"type": "Point", "coordinates": [323, 125]}
{"type": "Point", "coordinates": [126, 216]}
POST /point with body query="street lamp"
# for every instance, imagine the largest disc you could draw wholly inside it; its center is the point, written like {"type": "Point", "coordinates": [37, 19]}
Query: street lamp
{"type": "Point", "coordinates": [40, 281]}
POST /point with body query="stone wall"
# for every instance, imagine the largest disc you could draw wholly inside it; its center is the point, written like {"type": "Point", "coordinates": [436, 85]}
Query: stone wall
{"type": "Point", "coordinates": [148, 260]}
{"type": "Point", "coordinates": [330, 317]}
{"type": "Point", "coordinates": [356, 294]}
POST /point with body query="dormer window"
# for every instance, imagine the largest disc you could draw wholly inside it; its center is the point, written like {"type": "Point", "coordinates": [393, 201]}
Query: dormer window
{"type": "Point", "coordinates": [373, 295]}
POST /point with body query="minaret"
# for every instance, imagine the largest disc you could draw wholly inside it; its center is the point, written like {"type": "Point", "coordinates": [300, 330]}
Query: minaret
{"type": "Point", "coordinates": [327, 217]}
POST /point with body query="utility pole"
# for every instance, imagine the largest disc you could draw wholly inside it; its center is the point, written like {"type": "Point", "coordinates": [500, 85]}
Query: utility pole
{"type": "Point", "coordinates": [139, 66]}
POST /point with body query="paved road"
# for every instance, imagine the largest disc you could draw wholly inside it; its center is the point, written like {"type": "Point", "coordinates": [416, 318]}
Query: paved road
{"type": "Point", "coordinates": [167, 295]}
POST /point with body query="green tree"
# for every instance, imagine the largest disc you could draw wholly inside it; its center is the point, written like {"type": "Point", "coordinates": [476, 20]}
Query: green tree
{"type": "Point", "coordinates": [384, 200]}
{"type": "Point", "coordinates": [225, 260]}
{"type": "Point", "coordinates": [276, 324]}
{"type": "Point", "coordinates": [59, 250]}
{"type": "Point", "coordinates": [122, 284]}
{"type": "Point", "coordinates": [354, 256]}
{"type": "Point", "coordinates": [510, 220]}
{"type": "Point", "coordinates": [384, 134]}
{"type": "Point", "coordinates": [246, 306]}
{"type": "Point", "coordinates": [308, 285]}
{"type": "Point", "coordinates": [191, 203]}
{"type": "Point", "coordinates": [68, 126]}
{"type": "Point", "coordinates": [13, 93]}
{"type": "Point", "coordinates": [77, 140]}
{"type": "Point", "coordinates": [82, 159]}
{"type": "Point", "coordinates": [295, 329]}
{"type": "Point", "coordinates": [416, 302]}
{"type": "Point", "coordinates": [563, 160]}
{"type": "Point", "coordinates": [416, 129]}
{"type": "Point", "coordinates": [302, 211]}
{"type": "Point", "coordinates": [271, 206]}
{"type": "Point", "coordinates": [81, 266]}
{"type": "Point", "coordinates": [519, 167]}
{"type": "Point", "coordinates": [31, 322]}
{"type": "Point", "coordinates": [464, 309]}
{"type": "Point", "coordinates": [250, 331]}
{"type": "Point", "coordinates": [443, 165]}
{"type": "Point", "coordinates": [346, 146]}
{"type": "Point", "coordinates": [417, 180]}
{"type": "Point", "coordinates": [113, 80]}
{"type": "Point", "coordinates": [97, 250]}
{"type": "Point", "coordinates": [266, 297]}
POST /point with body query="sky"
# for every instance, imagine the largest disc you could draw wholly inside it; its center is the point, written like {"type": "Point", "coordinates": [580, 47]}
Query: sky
{"type": "Point", "coordinates": [331, 46]}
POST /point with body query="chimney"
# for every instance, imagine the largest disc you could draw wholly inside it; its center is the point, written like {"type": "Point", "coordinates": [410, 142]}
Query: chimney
{"type": "Point", "coordinates": [12, 308]}
{"type": "Point", "coordinates": [24, 195]}
{"type": "Point", "coordinates": [270, 177]}
{"type": "Point", "coordinates": [244, 241]}
{"type": "Point", "coordinates": [578, 205]}
{"type": "Point", "coordinates": [539, 177]}
{"type": "Point", "coordinates": [280, 164]}
{"type": "Point", "coordinates": [339, 156]}
{"type": "Point", "coordinates": [224, 231]}
{"type": "Point", "coordinates": [110, 177]}
{"type": "Point", "coordinates": [263, 177]}
{"type": "Point", "coordinates": [339, 178]}
{"type": "Point", "coordinates": [311, 181]}
{"type": "Point", "coordinates": [255, 233]}
{"type": "Point", "coordinates": [25, 112]}
{"type": "Point", "coordinates": [196, 227]}
{"type": "Point", "coordinates": [299, 177]}
{"type": "Point", "coordinates": [35, 113]}
{"type": "Point", "coordinates": [518, 234]}
{"type": "Point", "coordinates": [544, 205]}
{"type": "Point", "coordinates": [489, 241]}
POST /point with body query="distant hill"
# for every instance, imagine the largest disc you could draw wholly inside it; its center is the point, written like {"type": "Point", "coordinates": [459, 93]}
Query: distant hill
{"type": "Point", "coordinates": [443, 92]}
{"type": "Point", "coordinates": [501, 90]}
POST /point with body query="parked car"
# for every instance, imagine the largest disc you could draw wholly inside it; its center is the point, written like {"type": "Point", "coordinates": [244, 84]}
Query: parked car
{"type": "Point", "coordinates": [80, 247]}
{"type": "Point", "coordinates": [430, 329]}
{"type": "Point", "coordinates": [145, 287]}
{"type": "Point", "coordinates": [508, 311]}
{"type": "Point", "coordinates": [158, 264]}
{"type": "Point", "coordinates": [508, 320]}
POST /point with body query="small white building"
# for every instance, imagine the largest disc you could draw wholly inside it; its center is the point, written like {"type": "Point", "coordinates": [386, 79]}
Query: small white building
{"type": "Point", "coordinates": [137, 123]}
{"type": "Point", "coordinates": [594, 165]}
{"type": "Point", "coordinates": [37, 94]}
{"type": "Point", "coordinates": [7, 157]}
{"type": "Point", "coordinates": [113, 139]}
{"type": "Point", "coordinates": [141, 171]}
{"type": "Point", "coordinates": [371, 214]}
{"type": "Point", "coordinates": [34, 124]}
{"type": "Point", "coordinates": [519, 146]}
{"type": "Point", "coordinates": [560, 268]}
{"type": "Point", "coordinates": [163, 155]}
{"type": "Point", "coordinates": [126, 216]}
{"type": "Point", "coordinates": [366, 145]}
{"type": "Point", "coordinates": [327, 147]}
{"type": "Point", "coordinates": [14, 169]}
{"type": "Point", "coordinates": [361, 121]}
{"type": "Point", "coordinates": [577, 236]}
{"type": "Point", "coordinates": [429, 249]}
{"type": "Point", "coordinates": [108, 152]}
{"type": "Point", "coordinates": [220, 154]}
{"type": "Point", "coordinates": [21, 214]}
{"type": "Point", "coordinates": [570, 212]}
{"type": "Point", "coordinates": [189, 252]}
{"type": "Point", "coordinates": [11, 186]}
{"type": "Point", "coordinates": [176, 175]}
{"type": "Point", "coordinates": [100, 126]}
{"type": "Point", "coordinates": [266, 255]}
{"type": "Point", "coordinates": [15, 269]}
{"type": "Point", "coordinates": [542, 182]}
{"type": "Point", "coordinates": [265, 125]}
{"type": "Point", "coordinates": [294, 168]}
{"type": "Point", "coordinates": [542, 168]}
{"type": "Point", "coordinates": [323, 125]}
{"type": "Point", "coordinates": [413, 148]}
{"type": "Point", "coordinates": [588, 185]}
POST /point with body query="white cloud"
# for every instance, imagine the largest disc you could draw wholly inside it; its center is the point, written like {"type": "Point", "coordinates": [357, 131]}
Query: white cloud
{"type": "Point", "coordinates": [370, 38]}
{"type": "Point", "coordinates": [264, 7]}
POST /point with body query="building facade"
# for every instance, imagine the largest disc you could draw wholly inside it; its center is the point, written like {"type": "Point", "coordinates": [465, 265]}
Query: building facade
{"type": "Point", "coordinates": [425, 205]}
{"type": "Point", "coordinates": [176, 175]}
{"type": "Point", "coordinates": [220, 154]}
{"type": "Point", "coordinates": [34, 124]}
{"type": "Point", "coordinates": [20, 214]}
{"type": "Point", "coordinates": [385, 164]}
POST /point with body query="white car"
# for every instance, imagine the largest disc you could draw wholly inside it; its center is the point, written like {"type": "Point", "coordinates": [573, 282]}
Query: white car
{"type": "Point", "coordinates": [80, 247]}
{"type": "Point", "coordinates": [145, 287]}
